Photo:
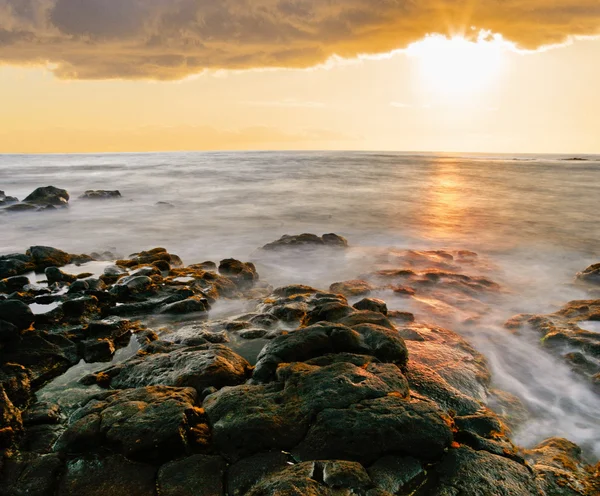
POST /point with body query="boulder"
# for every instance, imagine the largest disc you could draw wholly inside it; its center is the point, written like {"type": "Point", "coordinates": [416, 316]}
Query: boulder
{"type": "Point", "coordinates": [356, 287]}
{"type": "Point", "coordinates": [374, 428]}
{"type": "Point", "coordinates": [591, 275]}
{"type": "Point", "coordinates": [54, 274]}
{"type": "Point", "coordinates": [188, 306]}
{"type": "Point", "coordinates": [372, 305]}
{"type": "Point", "coordinates": [244, 275]}
{"type": "Point", "coordinates": [12, 284]}
{"type": "Point", "coordinates": [466, 471]}
{"type": "Point", "coordinates": [307, 240]}
{"type": "Point", "coordinates": [28, 474]}
{"type": "Point", "coordinates": [200, 475]}
{"type": "Point", "coordinates": [114, 475]}
{"type": "Point", "coordinates": [46, 256]}
{"type": "Point", "coordinates": [198, 367]}
{"type": "Point", "coordinates": [48, 195]}
{"type": "Point", "coordinates": [397, 474]}
{"type": "Point", "coordinates": [322, 339]}
{"type": "Point", "coordinates": [100, 194]}
{"type": "Point", "coordinates": [8, 331]}
{"type": "Point", "coordinates": [10, 267]}
{"type": "Point", "coordinates": [147, 424]}
{"type": "Point", "coordinates": [251, 418]}
{"type": "Point", "coordinates": [245, 473]}
{"type": "Point", "coordinates": [16, 313]}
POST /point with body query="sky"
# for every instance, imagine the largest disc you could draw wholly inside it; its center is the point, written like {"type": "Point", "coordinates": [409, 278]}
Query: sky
{"type": "Point", "coordinates": [518, 76]}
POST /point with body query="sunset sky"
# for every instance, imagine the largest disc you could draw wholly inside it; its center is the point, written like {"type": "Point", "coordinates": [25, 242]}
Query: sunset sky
{"type": "Point", "coordinates": [432, 75]}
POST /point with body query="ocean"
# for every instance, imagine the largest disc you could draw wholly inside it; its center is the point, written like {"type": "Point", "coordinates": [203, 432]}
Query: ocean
{"type": "Point", "coordinates": [532, 219]}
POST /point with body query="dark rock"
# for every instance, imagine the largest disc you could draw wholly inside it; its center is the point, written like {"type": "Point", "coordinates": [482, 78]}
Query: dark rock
{"type": "Point", "coordinates": [374, 428]}
{"type": "Point", "coordinates": [366, 317]}
{"type": "Point", "coordinates": [21, 207]}
{"type": "Point", "coordinates": [80, 307]}
{"type": "Point", "coordinates": [356, 287]}
{"type": "Point", "coordinates": [15, 283]}
{"type": "Point", "coordinates": [465, 471]}
{"type": "Point", "coordinates": [100, 195]}
{"type": "Point", "coordinates": [590, 275]}
{"type": "Point", "coordinates": [45, 355]}
{"type": "Point", "coordinates": [147, 424]}
{"type": "Point", "coordinates": [327, 312]}
{"type": "Point", "coordinates": [396, 474]}
{"type": "Point", "coordinates": [199, 475]}
{"type": "Point", "coordinates": [197, 366]}
{"type": "Point", "coordinates": [111, 476]}
{"type": "Point", "coordinates": [54, 274]}
{"type": "Point", "coordinates": [8, 331]}
{"type": "Point", "coordinates": [11, 424]}
{"type": "Point", "coordinates": [40, 438]}
{"type": "Point", "coordinates": [244, 275]}
{"type": "Point", "coordinates": [48, 195]}
{"type": "Point", "coordinates": [16, 313]}
{"type": "Point", "coordinates": [252, 418]}
{"type": "Point", "coordinates": [295, 480]}
{"type": "Point", "coordinates": [292, 312]}
{"type": "Point", "coordinates": [10, 267]}
{"type": "Point", "coordinates": [307, 240]}
{"type": "Point", "coordinates": [244, 474]}
{"type": "Point", "coordinates": [45, 256]}
{"type": "Point", "coordinates": [114, 271]}
{"type": "Point", "coordinates": [191, 305]}
{"type": "Point", "coordinates": [293, 290]}
{"type": "Point", "coordinates": [561, 470]}
{"type": "Point", "coordinates": [30, 475]}
{"type": "Point", "coordinates": [323, 339]}
{"type": "Point", "coordinates": [16, 380]}
{"type": "Point", "coordinates": [42, 413]}
{"type": "Point", "coordinates": [162, 265]}
{"type": "Point", "coordinates": [80, 286]}
{"type": "Point", "coordinates": [99, 350]}
{"type": "Point", "coordinates": [372, 305]}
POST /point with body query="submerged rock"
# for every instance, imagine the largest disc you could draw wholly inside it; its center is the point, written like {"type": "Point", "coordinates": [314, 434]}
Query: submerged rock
{"type": "Point", "coordinates": [100, 194]}
{"type": "Point", "coordinates": [307, 240]}
{"type": "Point", "coordinates": [48, 195]}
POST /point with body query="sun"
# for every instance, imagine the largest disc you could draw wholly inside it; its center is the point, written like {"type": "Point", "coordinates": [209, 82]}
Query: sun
{"type": "Point", "coordinates": [457, 65]}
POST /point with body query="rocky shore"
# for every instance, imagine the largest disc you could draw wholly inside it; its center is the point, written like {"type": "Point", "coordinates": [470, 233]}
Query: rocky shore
{"type": "Point", "coordinates": [306, 391]}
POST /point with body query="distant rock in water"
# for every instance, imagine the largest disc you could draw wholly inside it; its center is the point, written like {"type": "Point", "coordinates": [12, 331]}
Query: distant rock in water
{"type": "Point", "coordinates": [48, 195]}
{"type": "Point", "coordinates": [590, 275]}
{"type": "Point", "coordinates": [7, 200]}
{"type": "Point", "coordinates": [307, 240]}
{"type": "Point", "coordinates": [100, 194]}
{"type": "Point", "coordinates": [575, 159]}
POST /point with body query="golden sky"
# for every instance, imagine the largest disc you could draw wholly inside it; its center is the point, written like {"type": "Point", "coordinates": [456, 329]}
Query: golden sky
{"type": "Point", "coordinates": [148, 75]}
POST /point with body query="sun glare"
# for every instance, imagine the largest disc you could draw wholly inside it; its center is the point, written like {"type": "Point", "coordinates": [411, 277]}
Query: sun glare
{"type": "Point", "coordinates": [458, 65]}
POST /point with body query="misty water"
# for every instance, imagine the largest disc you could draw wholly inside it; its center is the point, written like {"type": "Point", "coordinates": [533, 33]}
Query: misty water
{"type": "Point", "coordinates": [532, 219]}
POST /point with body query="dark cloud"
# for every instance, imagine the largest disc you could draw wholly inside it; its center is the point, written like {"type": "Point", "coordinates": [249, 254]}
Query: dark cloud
{"type": "Point", "coordinates": [170, 39]}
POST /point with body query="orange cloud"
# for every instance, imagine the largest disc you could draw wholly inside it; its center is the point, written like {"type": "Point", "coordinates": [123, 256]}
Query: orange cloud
{"type": "Point", "coordinates": [171, 39]}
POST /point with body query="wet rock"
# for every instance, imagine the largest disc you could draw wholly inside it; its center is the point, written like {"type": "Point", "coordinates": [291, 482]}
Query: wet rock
{"type": "Point", "coordinates": [366, 317]}
{"type": "Point", "coordinates": [48, 195]}
{"type": "Point", "coordinates": [10, 267]}
{"type": "Point", "coordinates": [130, 285]}
{"type": "Point", "coordinates": [99, 350]}
{"type": "Point", "coordinates": [16, 313]}
{"type": "Point", "coordinates": [367, 431]}
{"type": "Point", "coordinates": [8, 331]}
{"type": "Point", "coordinates": [322, 339]}
{"type": "Point", "coordinates": [15, 283]}
{"type": "Point", "coordinates": [40, 438]}
{"type": "Point", "coordinates": [42, 413]}
{"type": "Point", "coordinates": [191, 305]}
{"type": "Point", "coordinates": [372, 305]}
{"type": "Point", "coordinates": [244, 474]}
{"type": "Point", "coordinates": [295, 480]}
{"type": "Point", "coordinates": [293, 290]}
{"type": "Point", "coordinates": [356, 287]}
{"type": "Point", "coordinates": [54, 274]}
{"type": "Point", "coordinates": [244, 275]}
{"type": "Point", "coordinates": [100, 194]}
{"type": "Point", "coordinates": [46, 256]}
{"type": "Point", "coordinates": [30, 474]}
{"type": "Point", "coordinates": [21, 207]}
{"type": "Point", "coordinates": [16, 381]}
{"type": "Point", "coordinates": [11, 423]}
{"type": "Point", "coordinates": [333, 311]}
{"type": "Point", "coordinates": [307, 240]}
{"type": "Point", "coordinates": [292, 312]}
{"type": "Point", "coordinates": [195, 366]}
{"type": "Point", "coordinates": [199, 475]}
{"type": "Point", "coordinates": [561, 470]}
{"type": "Point", "coordinates": [396, 474]}
{"type": "Point", "coordinates": [45, 355]}
{"type": "Point", "coordinates": [591, 275]}
{"type": "Point", "coordinates": [148, 424]}
{"type": "Point", "coordinates": [77, 308]}
{"type": "Point", "coordinates": [114, 271]}
{"type": "Point", "coordinates": [111, 476]}
{"type": "Point", "coordinates": [465, 471]}
{"type": "Point", "coordinates": [252, 418]}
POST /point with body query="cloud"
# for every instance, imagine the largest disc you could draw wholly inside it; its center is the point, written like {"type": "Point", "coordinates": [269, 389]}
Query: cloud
{"type": "Point", "coordinates": [172, 39]}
